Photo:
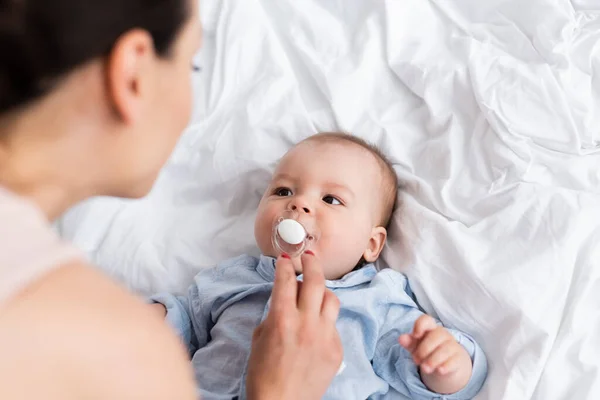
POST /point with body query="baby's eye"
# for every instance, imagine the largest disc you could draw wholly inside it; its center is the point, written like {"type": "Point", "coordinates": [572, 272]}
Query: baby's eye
{"type": "Point", "coordinates": [283, 192]}
{"type": "Point", "coordinates": [331, 200]}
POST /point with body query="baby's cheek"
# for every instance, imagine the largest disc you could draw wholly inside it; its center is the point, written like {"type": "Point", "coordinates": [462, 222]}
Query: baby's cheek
{"type": "Point", "coordinates": [265, 244]}
{"type": "Point", "coordinates": [263, 231]}
{"type": "Point", "coordinates": [336, 255]}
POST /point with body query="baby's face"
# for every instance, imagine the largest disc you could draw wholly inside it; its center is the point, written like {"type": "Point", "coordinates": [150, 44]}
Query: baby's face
{"type": "Point", "coordinates": [334, 186]}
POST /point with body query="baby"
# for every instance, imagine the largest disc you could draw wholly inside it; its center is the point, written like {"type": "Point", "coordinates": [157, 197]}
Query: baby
{"type": "Point", "coordinates": [347, 189]}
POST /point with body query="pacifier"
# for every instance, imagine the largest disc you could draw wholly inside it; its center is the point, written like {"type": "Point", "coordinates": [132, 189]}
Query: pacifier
{"type": "Point", "coordinates": [291, 236]}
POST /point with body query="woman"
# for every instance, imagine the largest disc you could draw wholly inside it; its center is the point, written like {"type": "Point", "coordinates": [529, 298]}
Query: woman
{"type": "Point", "coordinates": [93, 95]}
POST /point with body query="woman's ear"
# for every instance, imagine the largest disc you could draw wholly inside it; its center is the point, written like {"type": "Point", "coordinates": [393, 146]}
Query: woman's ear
{"type": "Point", "coordinates": [376, 243]}
{"type": "Point", "coordinates": [127, 70]}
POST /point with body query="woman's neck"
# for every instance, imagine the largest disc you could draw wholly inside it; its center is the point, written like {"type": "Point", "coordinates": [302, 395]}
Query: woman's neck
{"type": "Point", "coordinates": [35, 164]}
{"type": "Point", "coordinates": [53, 199]}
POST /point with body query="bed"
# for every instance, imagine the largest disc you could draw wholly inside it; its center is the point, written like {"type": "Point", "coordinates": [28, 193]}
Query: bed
{"type": "Point", "coordinates": [490, 113]}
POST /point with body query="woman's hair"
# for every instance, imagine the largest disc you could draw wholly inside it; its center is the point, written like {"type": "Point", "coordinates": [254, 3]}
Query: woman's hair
{"type": "Point", "coordinates": [43, 40]}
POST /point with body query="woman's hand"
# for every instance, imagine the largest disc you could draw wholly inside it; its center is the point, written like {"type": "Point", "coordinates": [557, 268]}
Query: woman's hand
{"type": "Point", "coordinates": [296, 351]}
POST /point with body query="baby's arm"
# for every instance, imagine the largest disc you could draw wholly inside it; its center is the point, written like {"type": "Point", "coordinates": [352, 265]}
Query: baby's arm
{"type": "Point", "coordinates": [177, 312]}
{"type": "Point", "coordinates": [409, 340]}
{"type": "Point", "coordinates": [192, 316]}
{"type": "Point", "coordinates": [445, 365]}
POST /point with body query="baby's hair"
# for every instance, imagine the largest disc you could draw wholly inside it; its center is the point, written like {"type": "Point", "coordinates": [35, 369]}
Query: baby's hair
{"type": "Point", "coordinates": [390, 179]}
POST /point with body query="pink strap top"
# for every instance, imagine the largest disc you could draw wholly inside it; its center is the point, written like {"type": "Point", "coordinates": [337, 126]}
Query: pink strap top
{"type": "Point", "coordinates": [29, 248]}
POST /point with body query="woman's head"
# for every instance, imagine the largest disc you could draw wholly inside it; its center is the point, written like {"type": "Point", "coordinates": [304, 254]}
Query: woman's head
{"type": "Point", "coordinates": [108, 79]}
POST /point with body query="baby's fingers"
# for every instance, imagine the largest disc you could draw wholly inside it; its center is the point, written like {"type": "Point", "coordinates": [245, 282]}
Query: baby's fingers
{"type": "Point", "coordinates": [431, 341]}
{"type": "Point", "coordinates": [408, 342]}
{"type": "Point", "coordinates": [423, 325]}
{"type": "Point", "coordinates": [440, 359]}
{"type": "Point", "coordinates": [451, 365]}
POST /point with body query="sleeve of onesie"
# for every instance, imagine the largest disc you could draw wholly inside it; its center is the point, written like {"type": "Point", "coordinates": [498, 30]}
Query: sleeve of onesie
{"type": "Point", "coordinates": [192, 316]}
{"type": "Point", "coordinates": [190, 325]}
{"type": "Point", "coordinates": [395, 364]}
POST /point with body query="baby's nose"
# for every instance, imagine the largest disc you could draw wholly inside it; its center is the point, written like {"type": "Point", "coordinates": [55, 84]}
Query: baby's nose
{"type": "Point", "coordinates": [300, 205]}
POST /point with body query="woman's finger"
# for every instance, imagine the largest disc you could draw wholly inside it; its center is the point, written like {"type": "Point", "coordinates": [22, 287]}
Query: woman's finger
{"type": "Point", "coordinates": [257, 332]}
{"type": "Point", "coordinates": [297, 263]}
{"type": "Point", "coordinates": [285, 288]}
{"type": "Point", "coordinates": [331, 307]}
{"type": "Point", "coordinates": [299, 290]}
{"type": "Point", "coordinates": [313, 287]}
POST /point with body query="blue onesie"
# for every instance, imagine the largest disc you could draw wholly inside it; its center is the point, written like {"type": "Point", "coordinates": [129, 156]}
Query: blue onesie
{"type": "Point", "coordinates": [224, 306]}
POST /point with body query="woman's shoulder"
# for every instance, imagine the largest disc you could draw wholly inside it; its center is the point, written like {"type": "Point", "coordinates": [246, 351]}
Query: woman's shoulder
{"type": "Point", "coordinates": [74, 328]}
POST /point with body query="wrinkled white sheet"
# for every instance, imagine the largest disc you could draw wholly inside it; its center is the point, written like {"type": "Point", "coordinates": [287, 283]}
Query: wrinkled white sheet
{"type": "Point", "coordinates": [490, 111]}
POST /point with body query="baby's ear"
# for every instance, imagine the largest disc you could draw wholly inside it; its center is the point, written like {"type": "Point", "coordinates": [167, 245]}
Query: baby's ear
{"type": "Point", "coordinates": [376, 243]}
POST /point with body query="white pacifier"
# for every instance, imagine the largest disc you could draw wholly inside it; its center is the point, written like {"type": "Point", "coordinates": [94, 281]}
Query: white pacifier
{"type": "Point", "coordinates": [292, 237]}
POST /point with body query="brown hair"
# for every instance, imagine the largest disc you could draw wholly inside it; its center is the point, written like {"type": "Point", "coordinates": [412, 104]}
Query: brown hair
{"type": "Point", "coordinates": [390, 184]}
{"type": "Point", "coordinates": [42, 40]}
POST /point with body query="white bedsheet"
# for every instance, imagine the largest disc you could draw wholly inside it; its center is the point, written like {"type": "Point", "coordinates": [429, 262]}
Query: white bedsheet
{"type": "Point", "coordinates": [490, 111]}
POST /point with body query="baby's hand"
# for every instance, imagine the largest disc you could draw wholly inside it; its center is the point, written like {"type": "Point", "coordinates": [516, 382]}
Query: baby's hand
{"type": "Point", "coordinates": [445, 365]}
